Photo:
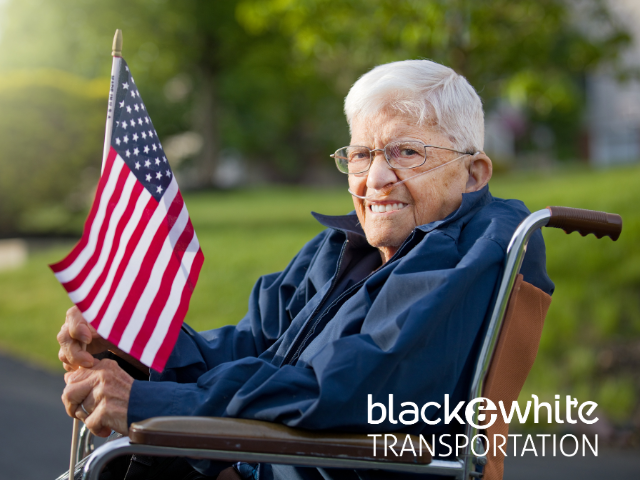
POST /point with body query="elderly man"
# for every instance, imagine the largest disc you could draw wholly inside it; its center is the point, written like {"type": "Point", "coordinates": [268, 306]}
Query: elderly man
{"type": "Point", "coordinates": [389, 300]}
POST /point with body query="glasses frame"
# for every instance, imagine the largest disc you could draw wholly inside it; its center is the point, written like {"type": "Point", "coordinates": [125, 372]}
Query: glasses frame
{"type": "Point", "coordinates": [372, 155]}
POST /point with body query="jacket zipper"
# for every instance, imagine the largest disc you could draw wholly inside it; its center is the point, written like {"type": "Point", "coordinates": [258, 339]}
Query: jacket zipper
{"type": "Point", "coordinates": [300, 343]}
{"type": "Point", "coordinates": [292, 354]}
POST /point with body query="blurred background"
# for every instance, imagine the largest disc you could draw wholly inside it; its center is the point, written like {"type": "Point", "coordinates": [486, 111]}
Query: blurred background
{"type": "Point", "coordinates": [246, 96]}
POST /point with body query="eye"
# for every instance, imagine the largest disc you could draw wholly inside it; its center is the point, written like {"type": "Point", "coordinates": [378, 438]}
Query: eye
{"type": "Point", "coordinates": [358, 155]}
{"type": "Point", "coordinates": [408, 152]}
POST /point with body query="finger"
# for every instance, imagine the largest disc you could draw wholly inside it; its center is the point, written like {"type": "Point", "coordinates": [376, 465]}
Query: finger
{"type": "Point", "coordinates": [74, 394]}
{"type": "Point", "coordinates": [78, 326]}
{"type": "Point", "coordinates": [68, 366]}
{"type": "Point", "coordinates": [65, 362]}
{"type": "Point", "coordinates": [73, 353]}
{"type": "Point", "coordinates": [100, 423]}
{"type": "Point", "coordinates": [86, 407]}
{"type": "Point", "coordinates": [96, 424]}
{"type": "Point", "coordinates": [81, 374]}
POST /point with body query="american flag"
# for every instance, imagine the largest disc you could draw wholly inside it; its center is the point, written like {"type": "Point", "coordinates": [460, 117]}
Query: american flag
{"type": "Point", "coordinates": [133, 271]}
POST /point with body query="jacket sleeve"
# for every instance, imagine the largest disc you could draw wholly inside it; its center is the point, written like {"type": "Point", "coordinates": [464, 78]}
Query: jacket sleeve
{"type": "Point", "coordinates": [417, 348]}
{"type": "Point", "coordinates": [268, 317]}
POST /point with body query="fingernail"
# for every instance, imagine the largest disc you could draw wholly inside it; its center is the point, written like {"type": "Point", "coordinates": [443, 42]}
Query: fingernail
{"type": "Point", "coordinates": [87, 364]}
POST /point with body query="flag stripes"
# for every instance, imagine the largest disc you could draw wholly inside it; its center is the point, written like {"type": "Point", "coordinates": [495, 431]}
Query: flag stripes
{"type": "Point", "coordinates": [136, 265]}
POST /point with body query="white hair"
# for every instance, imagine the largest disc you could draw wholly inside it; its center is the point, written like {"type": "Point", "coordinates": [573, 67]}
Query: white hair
{"type": "Point", "coordinates": [426, 91]}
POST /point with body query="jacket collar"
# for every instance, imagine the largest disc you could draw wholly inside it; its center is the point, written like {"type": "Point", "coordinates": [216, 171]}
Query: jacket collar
{"type": "Point", "coordinates": [350, 225]}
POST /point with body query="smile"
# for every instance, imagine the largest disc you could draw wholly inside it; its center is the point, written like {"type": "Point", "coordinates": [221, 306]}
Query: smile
{"type": "Point", "coordinates": [386, 207]}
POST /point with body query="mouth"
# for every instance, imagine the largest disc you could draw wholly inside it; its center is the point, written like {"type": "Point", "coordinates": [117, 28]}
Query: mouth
{"type": "Point", "coordinates": [386, 207]}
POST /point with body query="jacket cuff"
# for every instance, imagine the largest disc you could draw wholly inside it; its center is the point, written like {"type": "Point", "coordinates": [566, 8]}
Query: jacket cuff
{"type": "Point", "coordinates": [157, 399]}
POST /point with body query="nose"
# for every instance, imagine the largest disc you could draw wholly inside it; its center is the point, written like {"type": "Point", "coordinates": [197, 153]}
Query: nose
{"type": "Point", "coordinates": [380, 174]}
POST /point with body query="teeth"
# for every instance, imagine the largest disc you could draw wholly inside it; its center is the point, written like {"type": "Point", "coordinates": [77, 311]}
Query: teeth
{"type": "Point", "coordinates": [387, 208]}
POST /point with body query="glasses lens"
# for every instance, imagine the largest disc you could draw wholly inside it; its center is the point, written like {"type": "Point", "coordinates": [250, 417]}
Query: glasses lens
{"type": "Point", "coordinates": [352, 159]}
{"type": "Point", "coordinates": [406, 154]}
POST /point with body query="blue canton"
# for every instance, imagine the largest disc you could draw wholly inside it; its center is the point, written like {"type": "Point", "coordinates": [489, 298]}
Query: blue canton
{"type": "Point", "coordinates": [135, 139]}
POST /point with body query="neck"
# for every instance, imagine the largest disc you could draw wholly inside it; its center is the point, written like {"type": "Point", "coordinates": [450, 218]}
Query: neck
{"type": "Point", "coordinates": [386, 253]}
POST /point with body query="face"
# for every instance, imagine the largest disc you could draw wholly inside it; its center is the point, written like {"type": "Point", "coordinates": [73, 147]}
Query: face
{"type": "Point", "coordinates": [388, 219]}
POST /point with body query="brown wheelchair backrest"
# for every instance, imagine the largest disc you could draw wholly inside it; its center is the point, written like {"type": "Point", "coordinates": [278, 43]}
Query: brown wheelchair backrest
{"type": "Point", "coordinates": [512, 360]}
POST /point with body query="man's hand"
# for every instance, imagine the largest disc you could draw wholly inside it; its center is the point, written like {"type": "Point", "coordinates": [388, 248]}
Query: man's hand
{"type": "Point", "coordinates": [104, 391]}
{"type": "Point", "coordinates": [75, 332]}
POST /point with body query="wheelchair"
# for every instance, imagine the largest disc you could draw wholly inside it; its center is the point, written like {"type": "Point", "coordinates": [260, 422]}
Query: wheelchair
{"type": "Point", "coordinates": [507, 354]}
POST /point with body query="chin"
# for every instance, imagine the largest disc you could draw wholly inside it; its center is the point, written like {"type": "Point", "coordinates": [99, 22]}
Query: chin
{"type": "Point", "coordinates": [385, 239]}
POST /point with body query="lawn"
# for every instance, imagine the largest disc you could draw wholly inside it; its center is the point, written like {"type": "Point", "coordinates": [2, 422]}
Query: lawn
{"type": "Point", "coordinates": [594, 318]}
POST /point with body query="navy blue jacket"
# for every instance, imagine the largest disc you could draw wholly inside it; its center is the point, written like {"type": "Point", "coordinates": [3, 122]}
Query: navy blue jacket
{"type": "Point", "coordinates": [307, 357]}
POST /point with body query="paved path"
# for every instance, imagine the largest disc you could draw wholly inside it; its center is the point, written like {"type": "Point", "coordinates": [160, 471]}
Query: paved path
{"type": "Point", "coordinates": [35, 435]}
{"type": "Point", "coordinates": [35, 431]}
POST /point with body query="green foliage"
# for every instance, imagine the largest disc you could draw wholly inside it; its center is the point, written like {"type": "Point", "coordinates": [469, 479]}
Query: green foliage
{"type": "Point", "coordinates": [594, 316]}
{"type": "Point", "coordinates": [595, 312]}
{"type": "Point", "coordinates": [532, 52]}
{"type": "Point", "coordinates": [51, 131]}
{"type": "Point", "coordinates": [267, 77]}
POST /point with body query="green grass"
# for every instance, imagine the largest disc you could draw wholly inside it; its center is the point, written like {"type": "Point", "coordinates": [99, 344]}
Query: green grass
{"type": "Point", "coordinates": [245, 234]}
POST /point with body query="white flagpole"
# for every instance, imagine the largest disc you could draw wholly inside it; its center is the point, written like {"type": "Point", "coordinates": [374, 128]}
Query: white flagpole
{"type": "Point", "coordinates": [116, 53]}
{"type": "Point", "coordinates": [74, 443]}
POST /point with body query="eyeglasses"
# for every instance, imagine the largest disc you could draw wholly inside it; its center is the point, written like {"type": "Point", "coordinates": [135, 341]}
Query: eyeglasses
{"type": "Point", "coordinates": [355, 159]}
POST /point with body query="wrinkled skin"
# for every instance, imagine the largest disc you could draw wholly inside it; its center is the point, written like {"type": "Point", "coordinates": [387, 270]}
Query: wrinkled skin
{"type": "Point", "coordinates": [424, 199]}
{"type": "Point", "coordinates": [100, 385]}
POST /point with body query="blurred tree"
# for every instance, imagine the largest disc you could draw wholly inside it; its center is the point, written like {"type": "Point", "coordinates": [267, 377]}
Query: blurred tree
{"type": "Point", "coordinates": [534, 53]}
{"type": "Point", "coordinates": [51, 131]}
{"type": "Point", "coordinates": [198, 68]}
{"type": "Point", "coordinates": [267, 77]}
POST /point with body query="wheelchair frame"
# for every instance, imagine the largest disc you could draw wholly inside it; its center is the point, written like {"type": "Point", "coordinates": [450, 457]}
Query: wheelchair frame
{"type": "Point", "coordinates": [465, 465]}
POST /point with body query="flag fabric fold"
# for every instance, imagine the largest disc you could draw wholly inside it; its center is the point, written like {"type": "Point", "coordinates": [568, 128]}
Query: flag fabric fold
{"type": "Point", "coordinates": [137, 263]}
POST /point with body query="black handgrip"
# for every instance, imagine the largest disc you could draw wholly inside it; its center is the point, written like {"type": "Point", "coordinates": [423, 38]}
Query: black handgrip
{"type": "Point", "coordinates": [586, 221]}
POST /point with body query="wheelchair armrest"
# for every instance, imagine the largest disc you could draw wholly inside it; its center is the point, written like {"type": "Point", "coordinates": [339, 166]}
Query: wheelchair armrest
{"type": "Point", "coordinates": [240, 435]}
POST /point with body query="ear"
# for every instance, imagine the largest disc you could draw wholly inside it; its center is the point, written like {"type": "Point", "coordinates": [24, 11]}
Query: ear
{"type": "Point", "coordinates": [480, 171]}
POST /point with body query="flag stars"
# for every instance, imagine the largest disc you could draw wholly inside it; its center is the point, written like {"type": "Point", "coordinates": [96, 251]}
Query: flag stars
{"type": "Point", "coordinates": [146, 149]}
{"type": "Point", "coordinates": [164, 159]}
{"type": "Point", "coordinates": [151, 133]}
{"type": "Point", "coordinates": [144, 135]}
{"type": "Point", "coordinates": [133, 94]}
{"type": "Point", "coordinates": [127, 153]}
{"type": "Point", "coordinates": [136, 151]}
{"type": "Point", "coordinates": [159, 175]}
{"type": "Point", "coordinates": [136, 107]}
{"type": "Point", "coordinates": [142, 106]}
{"type": "Point", "coordinates": [124, 125]}
{"type": "Point", "coordinates": [117, 141]}
{"type": "Point", "coordinates": [125, 85]}
{"type": "Point", "coordinates": [146, 120]}
{"type": "Point", "coordinates": [157, 161]}
{"type": "Point", "coordinates": [133, 123]}
{"type": "Point", "coordinates": [137, 165]}
{"type": "Point", "coordinates": [125, 139]}
{"type": "Point", "coordinates": [140, 121]}
{"type": "Point", "coordinates": [159, 190]}
{"type": "Point", "coordinates": [128, 109]}
{"type": "Point", "coordinates": [147, 163]}
{"type": "Point", "coordinates": [148, 177]}
{"type": "Point", "coordinates": [168, 173]}
{"type": "Point", "coordinates": [135, 137]}
{"type": "Point", "coordinates": [154, 147]}
{"type": "Point", "coordinates": [122, 104]}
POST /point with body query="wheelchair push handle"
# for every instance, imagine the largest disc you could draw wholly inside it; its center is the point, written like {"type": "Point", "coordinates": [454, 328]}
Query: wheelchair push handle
{"type": "Point", "coordinates": [586, 221]}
